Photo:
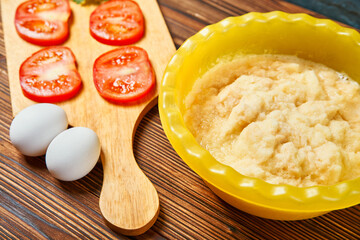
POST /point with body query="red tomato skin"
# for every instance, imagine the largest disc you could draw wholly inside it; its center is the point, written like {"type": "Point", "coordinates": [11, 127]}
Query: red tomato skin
{"type": "Point", "coordinates": [119, 42]}
{"type": "Point", "coordinates": [123, 99]}
{"type": "Point", "coordinates": [41, 41]}
{"type": "Point", "coordinates": [53, 99]}
{"type": "Point", "coordinates": [59, 36]}
{"type": "Point", "coordinates": [136, 34]}
{"type": "Point", "coordinates": [24, 72]}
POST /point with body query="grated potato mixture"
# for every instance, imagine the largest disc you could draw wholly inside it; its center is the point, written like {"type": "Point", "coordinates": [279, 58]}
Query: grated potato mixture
{"type": "Point", "coordinates": [279, 118]}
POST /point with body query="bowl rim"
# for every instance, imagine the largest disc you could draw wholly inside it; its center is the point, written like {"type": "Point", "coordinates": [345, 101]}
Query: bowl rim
{"type": "Point", "coordinates": [258, 192]}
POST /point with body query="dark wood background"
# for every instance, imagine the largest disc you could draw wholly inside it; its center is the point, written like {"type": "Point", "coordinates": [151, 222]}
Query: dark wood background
{"type": "Point", "coordinates": [33, 205]}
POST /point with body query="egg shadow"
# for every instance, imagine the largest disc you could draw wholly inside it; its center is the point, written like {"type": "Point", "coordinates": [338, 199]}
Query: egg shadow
{"type": "Point", "coordinates": [35, 163]}
{"type": "Point", "coordinates": [89, 184]}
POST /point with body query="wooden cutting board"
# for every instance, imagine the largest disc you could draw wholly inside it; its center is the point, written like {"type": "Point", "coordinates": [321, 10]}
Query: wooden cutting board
{"type": "Point", "coordinates": [128, 200]}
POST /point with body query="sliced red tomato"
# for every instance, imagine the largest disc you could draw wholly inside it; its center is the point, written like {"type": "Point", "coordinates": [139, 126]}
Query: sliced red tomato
{"type": "Point", "coordinates": [124, 74]}
{"type": "Point", "coordinates": [117, 22]}
{"type": "Point", "coordinates": [50, 75]}
{"type": "Point", "coordinates": [43, 22]}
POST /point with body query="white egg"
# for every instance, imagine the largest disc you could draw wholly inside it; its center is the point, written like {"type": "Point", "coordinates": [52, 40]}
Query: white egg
{"type": "Point", "coordinates": [35, 127]}
{"type": "Point", "coordinates": [73, 153]}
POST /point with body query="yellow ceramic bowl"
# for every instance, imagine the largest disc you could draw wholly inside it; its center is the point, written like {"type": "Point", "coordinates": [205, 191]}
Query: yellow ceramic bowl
{"type": "Point", "coordinates": [276, 32]}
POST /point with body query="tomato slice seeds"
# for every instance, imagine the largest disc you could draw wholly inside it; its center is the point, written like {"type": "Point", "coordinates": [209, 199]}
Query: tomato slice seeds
{"type": "Point", "coordinates": [50, 75]}
{"type": "Point", "coordinates": [124, 74]}
{"type": "Point", "coordinates": [43, 22]}
{"type": "Point", "coordinates": [117, 22]}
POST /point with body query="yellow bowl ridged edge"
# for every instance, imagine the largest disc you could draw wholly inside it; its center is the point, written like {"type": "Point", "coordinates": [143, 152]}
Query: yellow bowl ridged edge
{"type": "Point", "coordinates": [257, 192]}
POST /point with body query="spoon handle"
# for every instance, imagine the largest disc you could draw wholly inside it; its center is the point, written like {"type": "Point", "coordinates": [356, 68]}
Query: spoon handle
{"type": "Point", "coordinates": [128, 201]}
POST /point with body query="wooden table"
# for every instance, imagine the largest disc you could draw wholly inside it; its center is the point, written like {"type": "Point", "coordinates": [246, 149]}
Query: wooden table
{"type": "Point", "coordinates": [33, 205]}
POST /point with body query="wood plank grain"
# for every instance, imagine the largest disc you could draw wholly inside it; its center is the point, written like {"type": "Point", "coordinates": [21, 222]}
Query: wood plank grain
{"type": "Point", "coordinates": [33, 205]}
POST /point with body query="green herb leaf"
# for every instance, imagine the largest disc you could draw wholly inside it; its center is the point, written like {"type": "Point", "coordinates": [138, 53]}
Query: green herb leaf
{"type": "Point", "coordinates": [79, 1]}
